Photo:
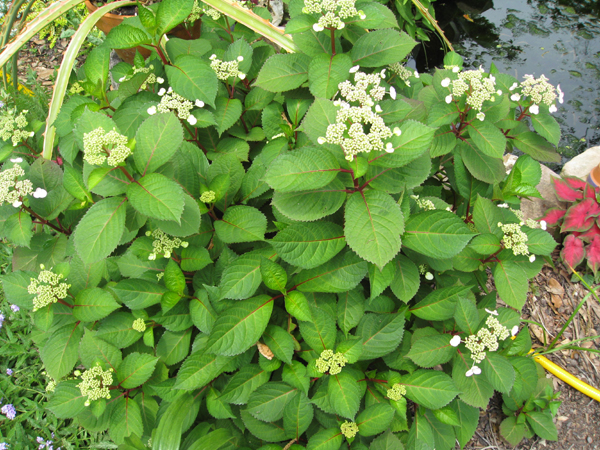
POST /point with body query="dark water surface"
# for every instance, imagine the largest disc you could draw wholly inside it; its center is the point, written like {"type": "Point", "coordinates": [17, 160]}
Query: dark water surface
{"type": "Point", "coordinates": [560, 39]}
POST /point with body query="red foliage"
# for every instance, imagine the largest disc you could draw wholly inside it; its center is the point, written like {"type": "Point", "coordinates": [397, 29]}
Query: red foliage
{"type": "Point", "coordinates": [575, 183]}
{"type": "Point", "coordinates": [579, 216]}
{"type": "Point", "coordinates": [593, 254]}
{"type": "Point", "coordinates": [553, 216]}
{"type": "Point", "coordinates": [573, 251]}
{"type": "Point", "coordinates": [565, 192]}
{"type": "Point", "coordinates": [589, 234]}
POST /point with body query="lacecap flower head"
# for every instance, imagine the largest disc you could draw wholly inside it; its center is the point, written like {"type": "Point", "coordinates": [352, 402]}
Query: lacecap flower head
{"type": "Point", "coordinates": [48, 288]}
{"type": "Point", "coordinates": [94, 384]}
{"type": "Point", "coordinates": [100, 146]}
{"type": "Point", "coordinates": [330, 362]}
{"type": "Point", "coordinates": [163, 244]}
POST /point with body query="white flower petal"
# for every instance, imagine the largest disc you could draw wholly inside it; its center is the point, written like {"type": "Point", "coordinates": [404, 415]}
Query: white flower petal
{"type": "Point", "coordinates": [532, 258]}
{"type": "Point", "coordinates": [476, 370]}
{"type": "Point", "coordinates": [17, 203]}
{"type": "Point", "coordinates": [429, 276]}
{"type": "Point", "coordinates": [469, 373]}
{"type": "Point", "coordinates": [242, 76]}
{"type": "Point", "coordinates": [553, 109]}
{"type": "Point", "coordinates": [40, 193]}
{"type": "Point", "coordinates": [16, 160]}
{"type": "Point", "coordinates": [354, 69]}
{"type": "Point", "coordinates": [543, 224]}
{"type": "Point", "coordinates": [455, 341]}
{"type": "Point", "coordinates": [240, 58]}
{"type": "Point", "coordinates": [445, 82]}
{"type": "Point", "coordinates": [389, 147]}
{"type": "Point", "coordinates": [397, 131]}
{"type": "Point", "coordinates": [456, 69]}
{"type": "Point", "coordinates": [493, 313]}
{"type": "Point", "coordinates": [152, 110]}
{"type": "Point", "coordinates": [515, 97]}
{"type": "Point", "coordinates": [449, 98]}
{"type": "Point", "coordinates": [160, 80]}
{"type": "Point", "coordinates": [514, 330]}
{"type": "Point", "coordinates": [162, 91]}
{"type": "Point", "coordinates": [393, 92]}
{"type": "Point", "coordinates": [192, 120]}
{"type": "Point", "coordinates": [199, 103]}
{"type": "Point", "coordinates": [321, 140]}
{"type": "Point", "coordinates": [534, 109]}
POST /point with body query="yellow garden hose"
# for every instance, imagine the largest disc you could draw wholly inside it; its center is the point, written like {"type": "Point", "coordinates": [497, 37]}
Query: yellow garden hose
{"type": "Point", "coordinates": [567, 377]}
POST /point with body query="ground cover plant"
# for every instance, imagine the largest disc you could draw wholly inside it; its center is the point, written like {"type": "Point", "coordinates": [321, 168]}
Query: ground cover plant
{"type": "Point", "coordinates": [241, 247]}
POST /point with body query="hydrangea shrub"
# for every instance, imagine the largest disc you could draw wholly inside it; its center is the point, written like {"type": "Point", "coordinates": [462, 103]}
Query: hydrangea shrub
{"type": "Point", "coordinates": [245, 248]}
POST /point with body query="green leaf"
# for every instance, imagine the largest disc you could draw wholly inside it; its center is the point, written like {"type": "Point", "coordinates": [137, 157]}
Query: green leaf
{"type": "Point", "coordinates": [199, 369]}
{"type": "Point", "coordinates": [194, 258]}
{"type": "Point", "coordinates": [486, 168]}
{"type": "Point", "coordinates": [240, 327]}
{"type": "Point", "coordinates": [241, 224]}
{"type": "Point", "coordinates": [485, 244]}
{"type": "Point", "coordinates": [155, 195]}
{"type": "Point", "coordinates": [126, 36]}
{"type": "Point", "coordinates": [173, 347]}
{"type": "Point", "coordinates": [329, 439]}
{"type": "Point", "coordinates": [546, 126]}
{"type": "Point", "coordinates": [320, 332]}
{"type": "Point", "coordinates": [469, 419]}
{"type": "Point", "coordinates": [378, 16]}
{"type": "Point", "coordinates": [283, 72]}
{"type": "Point", "coordinates": [296, 304]}
{"type": "Point", "coordinates": [437, 234]}
{"type": "Point", "coordinates": [125, 419]}
{"type": "Point", "coordinates": [297, 415]}
{"type": "Point", "coordinates": [525, 378]}
{"type": "Point", "coordinates": [227, 112]}
{"type": "Point", "coordinates": [189, 222]}
{"type": "Point", "coordinates": [415, 140]}
{"type": "Point", "coordinates": [373, 225]}
{"type": "Point", "coordinates": [99, 231]}
{"type": "Point", "coordinates": [375, 419]}
{"type": "Point", "coordinates": [381, 48]}
{"type": "Point", "coordinates": [380, 333]}
{"type": "Point", "coordinates": [157, 140]}
{"type": "Point", "coordinates": [319, 116]}
{"type": "Point", "coordinates": [59, 353]}
{"type": "Point", "coordinates": [280, 342]}
{"type": "Point", "coordinates": [117, 330]}
{"type": "Point", "coordinates": [269, 432]}
{"type": "Point", "coordinates": [429, 351]}
{"type": "Point", "coordinates": [379, 280]}
{"type": "Point", "coordinates": [171, 13]}
{"type": "Point", "coordinates": [305, 169]}
{"type": "Point", "coordinates": [340, 274]}
{"type": "Point", "coordinates": [387, 441]}
{"type": "Point", "coordinates": [241, 278]}
{"type": "Point", "coordinates": [18, 229]}
{"type": "Point", "coordinates": [243, 383]}
{"type": "Point", "coordinates": [295, 374]}
{"type": "Point", "coordinates": [311, 205]}
{"type": "Point", "coordinates": [499, 372]}
{"type": "Point", "coordinates": [344, 394]}
{"type": "Point", "coordinates": [325, 73]}
{"type": "Point", "coordinates": [194, 79]}
{"type": "Point", "coordinates": [202, 313]}
{"type": "Point", "coordinates": [486, 216]}
{"type": "Point", "coordinates": [512, 431]}
{"type": "Point", "coordinates": [488, 138]}
{"type": "Point", "coordinates": [309, 245]}
{"type": "Point", "coordinates": [135, 369]}
{"type": "Point", "coordinates": [466, 315]}
{"type": "Point", "coordinates": [447, 416]}
{"type": "Point", "coordinates": [350, 309]}
{"type": "Point", "coordinates": [216, 407]}
{"type": "Point", "coordinates": [407, 280]}
{"type": "Point", "coordinates": [138, 293]}
{"type": "Point", "coordinates": [93, 350]}
{"type": "Point", "coordinates": [512, 283]}
{"type": "Point", "coordinates": [440, 304]}
{"type": "Point", "coordinates": [67, 401]}
{"type": "Point", "coordinates": [167, 435]}
{"type": "Point", "coordinates": [536, 146]}
{"type": "Point", "coordinates": [542, 425]}
{"type": "Point", "coordinates": [273, 275]}
{"type": "Point", "coordinates": [430, 388]}
{"type": "Point", "coordinates": [74, 185]}
{"type": "Point", "coordinates": [475, 390]}
{"type": "Point", "coordinates": [93, 304]}
{"type": "Point", "coordinates": [268, 402]}
{"type": "Point", "coordinates": [540, 242]}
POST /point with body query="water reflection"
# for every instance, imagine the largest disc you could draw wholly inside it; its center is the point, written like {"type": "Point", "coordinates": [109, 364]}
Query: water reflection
{"type": "Point", "coordinates": [556, 38]}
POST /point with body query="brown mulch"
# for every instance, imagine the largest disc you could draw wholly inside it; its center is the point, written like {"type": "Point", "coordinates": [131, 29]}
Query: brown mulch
{"type": "Point", "coordinates": [551, 300]}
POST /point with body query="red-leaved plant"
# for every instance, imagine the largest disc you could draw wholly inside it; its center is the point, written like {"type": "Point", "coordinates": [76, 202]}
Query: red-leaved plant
{"type": "Point", "coordinates": [580, 220]}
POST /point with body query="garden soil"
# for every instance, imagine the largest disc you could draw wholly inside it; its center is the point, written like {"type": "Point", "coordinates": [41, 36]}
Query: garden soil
{"type": "Point", "coordinates": [551, 300]}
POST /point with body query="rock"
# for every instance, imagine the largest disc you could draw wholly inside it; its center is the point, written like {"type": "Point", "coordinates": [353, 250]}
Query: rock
{"type": "Point", "coordinates": [582, 164]}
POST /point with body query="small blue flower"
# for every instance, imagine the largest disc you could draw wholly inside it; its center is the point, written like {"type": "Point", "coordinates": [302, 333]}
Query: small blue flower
{"type": "Point", "coordinates": [14, 308]}
{"type": "Point", "coordinates": [3, 445]}
{"type": "Point", "coordinates": [9, 372]}
{"type": "Point", "coordinates": [9, 411]}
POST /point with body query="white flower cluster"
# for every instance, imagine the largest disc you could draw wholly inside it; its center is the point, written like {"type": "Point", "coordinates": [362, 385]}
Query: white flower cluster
{"type": "Point", "coordinates": [197, 11]}
{"type": "Point", "coordinates": [349, 429]}
{"type": "Point", "coordinates": [539, 91]}
{"type": "Point", "coordinates": [47, 288]}
{"type": "Point", "coordinates": [139, 325]}
{"type": "Point", "coordinates": [396, 392]}
{"type": "Point", "coordinates": [330, 362]}
{"type": "Point", "coordinates": [333, 12]}
{"type": "Point", "coordinates": [172, 101]}
{"type": "Point", "coordinates": [208, 197]}
{"type": "Point", "coordinates": [75, 88]}
{"type": "Point", "coordinates": [227, 69]}
{"type": "Point", "coordinates": [211, 12]}
{"type": "Point", "coordinates": [477, 88]}
{"type": "Point", "coordinates": [12, 190]}
{"type": "Point", "coordinates": [100, 146]}
{"type": "Point", "coordinates": [348, 131]}
{"type": "Point", "coordinates": [426, 205]}
{"type": "Point", "coordinates": [94, 384]}
{"type": "Point", "coordinates": [486, 338]}
{"type": "Point", "coordinates": [514, 238]}
{"type": "Point", "coordinates": [163, 244]}
{"type": "Point", "coordinates": [403, 72]}
{"type": "Point", "coordinates": [13, 128]}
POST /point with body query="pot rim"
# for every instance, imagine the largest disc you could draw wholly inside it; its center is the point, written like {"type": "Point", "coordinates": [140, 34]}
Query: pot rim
{"type": "Point", "coordinates": [91, 8]}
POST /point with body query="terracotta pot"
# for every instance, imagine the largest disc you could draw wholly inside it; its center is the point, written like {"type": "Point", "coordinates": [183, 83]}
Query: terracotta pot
{"type": "Point", "coordinates": [109, 21]}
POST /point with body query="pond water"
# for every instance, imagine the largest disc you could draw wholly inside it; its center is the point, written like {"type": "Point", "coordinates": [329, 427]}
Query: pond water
{"type": "Point", "coordinates": [560, 39]}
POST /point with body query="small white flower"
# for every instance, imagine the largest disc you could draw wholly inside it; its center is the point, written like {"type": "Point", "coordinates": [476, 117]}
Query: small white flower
{"type": "Point", "coordinates": [354, 69]}
{"type": "Point", "coordinates": [16, 160]}
{"type": "Point", "coordinates": [152, 110]}
{"type": "Point", "coordinates": [493, 313]}
{"type": "Point", "coordinates": [429, 276]}
{"type": "Point", "coordinates": [503, 205]}
{"type": "Point", "coordinates": [382, 73]}
{"type": "Point", "coordinates": [389, 147]}
{"type": "Point", "coordinates": [242, 76]}
{"type": "Point", "coordinates": [40, 193]}
{"type": "Point", "coordinates": [499, 92]}
{"type": "Point", "coordinates": [514, 330]}
{"type": "Point", "coordinates": [199, 103]}
{"type": "Point", "coordinates": [476, 370]}
{"type": "Point", "coordinates": [469, 373]}
{"type": "Point", "coordinates": [456, 69]}
{"type": "Point", "coordinates": [543, 224]}
{"type": "Point", "coordinates": [445, 82]}
{"type": "Point", "coordinates": [321, 140]}
{"type": "Point", "coordinates": [378, 108]}
{"type": "Point", "coordinates": [492, 78]}
{"type": "Point", "coordinates": [416, 74]}
{"type": "Point", "coordinates": [152, 256]}
{"type": "Point", "coordinates": [169, 90]}
{"type": "Point", "coordinates": [167, 254]}
{"type": "Point", "coordinates": [397, 131]}
{"type": "Point", "coordinates": [192, 120]}
{"type": "Point", "coordinates": [162, 91]}
{"type": "Point", "coordinates": [561, 94]}
{"type": "Point", "coordinates": [160, 80]}
{"type": "Point", "coordinates": [532, 258]}
{"type": "Point", "coordinates": [240, 58]}
{"type": "Point", "coordinates": [17, 203]}
{"type": "Point", "coordinates": [121, 79]}
{"type": "Point", "coordinates": [455, 341]}
{"type": "Point", "coordinates": [318, 27]}
{"type": "Point", "coordinates": [363, 16]}
{"type": "Point", "coordinates": [534, 109]}
{"type": "Point", "coordinates": [515, 97]}
{"type": "Point", "coordinates": [514, 86]}
{"type": "Point", "coordinates": [553, 109]}
{"type": "Point", "coordinates": [393, 92]}
{"type": "Point", "coordinates": [341, 26]}
{"type": "Point", "coordinates": [213, 57]}
{"type": "Point", "coordinates": [481, 116]}
{"type": "Point", "coordinates": [448, 98]}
